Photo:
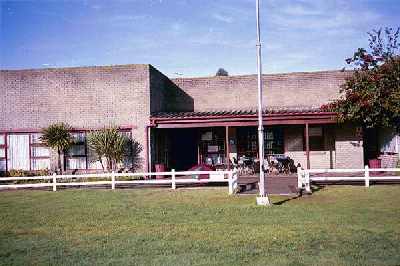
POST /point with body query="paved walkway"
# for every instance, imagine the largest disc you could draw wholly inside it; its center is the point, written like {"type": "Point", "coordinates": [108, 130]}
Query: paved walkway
{"type": "Point", "coordinates": [276, 184]}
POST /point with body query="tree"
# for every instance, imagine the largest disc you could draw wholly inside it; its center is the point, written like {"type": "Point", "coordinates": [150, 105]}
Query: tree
{"type": "Point", "coordinates": [113, 146]}
{"type": "Point", "coordinates": [221, 72]}
{"type": "Point", "coordinates": [383, 46]}
{"type": "Point", "coordinates": [57, 137]}
{"type": "Point", "coordinates": [371, 96]}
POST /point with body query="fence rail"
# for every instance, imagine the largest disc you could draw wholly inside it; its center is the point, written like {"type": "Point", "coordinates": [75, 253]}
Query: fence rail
{"type": "Point", "coordinates": [230, 177]}
{"type": "Point", "coordinates": [304, 179]}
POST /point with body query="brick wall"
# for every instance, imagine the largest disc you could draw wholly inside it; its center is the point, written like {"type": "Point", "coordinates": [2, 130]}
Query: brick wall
{"type": "Point", "coordinates": [166, 95]}
{"type": "Point", "coordinates": [93, 97]}
{"type": "Point", "coordinates": [292, 89]}
{"type": "Point", "coordinates": [389, 160]}
{"type": "Point", "coordinates": [349, 148]}
{"type": "Point", "coordinates": [294, 148]}
{"type": "Point", "coordinates": [84, 97]}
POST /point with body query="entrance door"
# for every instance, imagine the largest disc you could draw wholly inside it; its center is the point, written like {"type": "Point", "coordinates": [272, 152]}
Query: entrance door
{"type": "Point", "coordinates": [183, 148]}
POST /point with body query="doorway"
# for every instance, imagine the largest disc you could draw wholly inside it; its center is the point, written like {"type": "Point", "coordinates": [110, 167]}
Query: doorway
{"type": "Point", "coordinates": [182, 148]}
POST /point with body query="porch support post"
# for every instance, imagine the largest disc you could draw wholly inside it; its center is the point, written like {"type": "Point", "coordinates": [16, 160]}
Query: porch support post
{"type": "Point", "coordinates": [199, 161]}
{"type": "Point", "coordinates": [228, 163]}
{"type": "Point", "coordinates": [307, 137]}
{"type": "Point", "coordinates": [148, 150]}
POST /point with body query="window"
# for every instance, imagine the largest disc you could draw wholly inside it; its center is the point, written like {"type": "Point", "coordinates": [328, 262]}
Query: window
{"type": "Point", "coordinates": [18, 152]}
{"type": "Point", "coordinates": [247, 141]}
{"type": "Point", "coordinates": [40, 154]}
{"type": "Point", "coordinates": [316, 138]}
{"type": "Point", "coordinates": [76, 156]}
{"type": "Point", "coordinates": [3, 152]}
{"type": "Point", "coordinates": [273, 138]}
{"type": "Point", "coordinates": [79, 156]}
{"type": "Point", "coordinates": [25, 151]}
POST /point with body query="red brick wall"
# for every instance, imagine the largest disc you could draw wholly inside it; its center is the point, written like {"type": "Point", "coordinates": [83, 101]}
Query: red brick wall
{"type": "Point", "coordinates": [292, 89]}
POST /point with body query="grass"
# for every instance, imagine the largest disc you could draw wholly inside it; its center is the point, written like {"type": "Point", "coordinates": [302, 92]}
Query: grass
{"type": "Point", "coordinates": [335, 226]}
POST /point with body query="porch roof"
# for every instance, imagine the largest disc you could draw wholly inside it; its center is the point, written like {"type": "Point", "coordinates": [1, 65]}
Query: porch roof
{"type": "Point", "coordinates": [242, 117]}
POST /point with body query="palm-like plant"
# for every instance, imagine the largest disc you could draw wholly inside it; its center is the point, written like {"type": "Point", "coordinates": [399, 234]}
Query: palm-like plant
{"type": "Point", "coordinates": [57, 137]}
{"type": "Point", "coordinates": [110, 144]}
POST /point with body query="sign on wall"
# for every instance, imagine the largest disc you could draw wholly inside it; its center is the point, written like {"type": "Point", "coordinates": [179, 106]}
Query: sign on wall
{"type": "Point", "coordinates": [212, 148]}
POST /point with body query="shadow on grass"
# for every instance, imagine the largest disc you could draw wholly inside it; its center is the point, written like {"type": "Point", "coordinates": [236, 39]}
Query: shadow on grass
{"type": "Point", "coordinates": [314, 188]}
{"type": "Point", "coordinates": [286, 200]}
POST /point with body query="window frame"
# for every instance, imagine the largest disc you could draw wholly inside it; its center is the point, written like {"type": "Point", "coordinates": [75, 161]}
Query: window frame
{"type": "Point", "coordinates": [127, 130]}
{"type": "Point", "coordinates": [321, 138]}
{"type": "Point", "coordinates": [4, 146]}
{"type": "Point", "coordinates": [78, 143]}
{"type": "Point", "coordinates": [33, 145]}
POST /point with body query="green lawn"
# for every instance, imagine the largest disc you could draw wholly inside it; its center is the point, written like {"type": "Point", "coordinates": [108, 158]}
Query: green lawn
{"type": "Point", "coordinates": [334, 226]}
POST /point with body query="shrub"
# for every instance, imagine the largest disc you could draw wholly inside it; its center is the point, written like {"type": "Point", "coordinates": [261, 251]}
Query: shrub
{"type": "Point", "coordinates": [42, 172]}
{"type": "Point", "coordinates": [58, 138]}
{"type": "Point", "coordinates": [17, 173]}
{"type": "Point", "coordinates": [113, 146]}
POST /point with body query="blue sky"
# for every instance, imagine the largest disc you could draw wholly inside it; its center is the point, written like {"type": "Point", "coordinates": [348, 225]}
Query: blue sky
{"type": "Point", "coordinates": [189, 37]}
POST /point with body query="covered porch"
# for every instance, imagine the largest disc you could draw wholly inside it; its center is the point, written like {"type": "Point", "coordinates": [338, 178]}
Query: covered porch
{"type": "Point", "coordinates": [228, 139]}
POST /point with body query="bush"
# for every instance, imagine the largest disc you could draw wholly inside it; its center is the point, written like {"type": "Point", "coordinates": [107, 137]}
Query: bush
{"type": "Point", "coordinates": [17, 173]}
{"type": "Point", "coordinates": [42, 172]}
{"type": "Point", "coordinates": [23, 173]}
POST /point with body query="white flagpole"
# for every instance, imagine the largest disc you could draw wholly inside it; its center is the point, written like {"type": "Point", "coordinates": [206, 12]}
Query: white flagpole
{"type": "Point", "coordinates": [263, 198]}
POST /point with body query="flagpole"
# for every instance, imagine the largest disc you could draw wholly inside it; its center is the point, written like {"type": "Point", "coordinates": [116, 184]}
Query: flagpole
{"type": "Point", "coordinates": [263, 197]}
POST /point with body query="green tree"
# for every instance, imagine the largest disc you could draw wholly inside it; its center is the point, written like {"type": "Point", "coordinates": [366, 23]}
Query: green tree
{"type": "Point", "coordinates": [110, 144]}
{"type": "Point", "coordinates": [371, 96]}
{"type": "Point", "coordinates": [57, 137]}
{"type": "Point", "coordinates": [221, 72]}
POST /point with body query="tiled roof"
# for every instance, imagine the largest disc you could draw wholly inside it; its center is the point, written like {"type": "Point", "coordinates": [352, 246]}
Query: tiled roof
{"type": "Point", "coordinates": [237, 112]}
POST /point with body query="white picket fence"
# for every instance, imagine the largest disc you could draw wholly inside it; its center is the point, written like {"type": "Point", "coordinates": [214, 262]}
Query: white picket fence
{"type": "Point", "coordinates": [304, 179]}
{"type": "Point", "coordinates": [189, 177]}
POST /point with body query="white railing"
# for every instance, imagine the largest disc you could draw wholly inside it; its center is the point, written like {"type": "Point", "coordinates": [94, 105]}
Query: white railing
{"type": "Point", "coordinates": [304, 179]}
{"type": "Point", "coordinates": [230, 177]}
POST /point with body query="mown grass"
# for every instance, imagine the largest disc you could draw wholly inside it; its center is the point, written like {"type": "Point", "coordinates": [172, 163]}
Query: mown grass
{"type": "Point", "coordinates": [334, 226]}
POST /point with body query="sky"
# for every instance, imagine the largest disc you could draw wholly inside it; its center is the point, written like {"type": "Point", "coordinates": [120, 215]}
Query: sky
{"type": "Point", "coordinates": [189, 38]}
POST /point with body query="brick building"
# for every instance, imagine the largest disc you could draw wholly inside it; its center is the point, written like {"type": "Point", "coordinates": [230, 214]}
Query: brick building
{"type": "Point", "coordinates": [179, 122]}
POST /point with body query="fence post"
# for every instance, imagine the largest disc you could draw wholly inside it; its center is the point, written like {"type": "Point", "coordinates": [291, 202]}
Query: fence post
{"type": "Point", "coordinates": [54, 182]}
{"type": "Point", "coordinates": [230, 183]}
{"type": "Point", "coordinates": [366, 176]}
{"type": "Point", "coordinates": [307, 181]}
{"type": "Point", "coordinates": [112, 180]}
{"type": "Point", "coordinates": [299, 178]}
{"type": "Point", "coordinates": [173, 179]}
{"type": "Point", "coordinates": [235, 180]}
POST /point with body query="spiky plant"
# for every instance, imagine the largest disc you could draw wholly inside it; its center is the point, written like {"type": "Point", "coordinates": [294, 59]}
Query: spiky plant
{"type": "Point", "coordinates": [57, 137]}
{"type": "Point", "coordinates": [110, 144]}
